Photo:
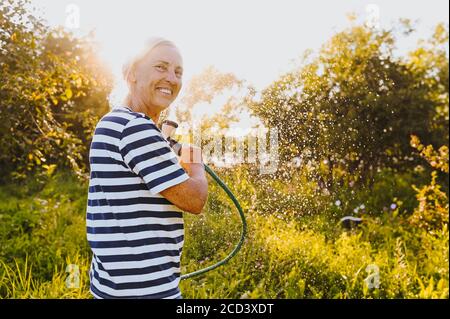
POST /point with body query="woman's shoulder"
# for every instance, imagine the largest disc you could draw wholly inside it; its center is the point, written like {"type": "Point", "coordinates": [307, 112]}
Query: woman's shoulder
{"type": "Point", "coordinates": [122, 121]}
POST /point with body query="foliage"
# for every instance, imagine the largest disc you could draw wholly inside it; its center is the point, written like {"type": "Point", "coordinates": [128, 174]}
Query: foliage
{"type": "Point", "coordinates": [432, 211]}
{"type": "Point", "coordinates": [346, 115]}
{"type": "Point", "coordinates": [437, 159]}
{"type": "Point", "coordinates": [52, 93]}
{"type": "Point", "coordinates": [288, 256]}
{"type": "Point", "coordinates": [355, 104]}
{"type": "Point", "coordinates": [42, 228]}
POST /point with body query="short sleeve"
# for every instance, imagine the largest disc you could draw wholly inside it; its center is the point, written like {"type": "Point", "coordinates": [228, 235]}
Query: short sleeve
{"type": "Point", "coordinates": [148, 155]}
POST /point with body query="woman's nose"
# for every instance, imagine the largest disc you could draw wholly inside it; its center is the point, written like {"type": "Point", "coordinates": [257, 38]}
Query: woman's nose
{"type": "Point", "coordinates": [172, 77]}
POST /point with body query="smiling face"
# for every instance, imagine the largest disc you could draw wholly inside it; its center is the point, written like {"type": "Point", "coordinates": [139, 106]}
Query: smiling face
{"type": "Point", "coordinates": [157, 78]}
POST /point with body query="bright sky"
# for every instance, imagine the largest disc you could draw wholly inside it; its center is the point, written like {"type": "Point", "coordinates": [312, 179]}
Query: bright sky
{"type": "Point", "coordinates": [257, 40]}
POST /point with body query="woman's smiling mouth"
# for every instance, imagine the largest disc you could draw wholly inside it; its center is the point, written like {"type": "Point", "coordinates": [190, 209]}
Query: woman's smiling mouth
{"type": "Point", "coordinates": [165, 91]}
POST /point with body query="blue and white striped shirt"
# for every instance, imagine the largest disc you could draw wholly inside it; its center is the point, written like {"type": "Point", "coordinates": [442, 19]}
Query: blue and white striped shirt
{"type": "Point", "coordinates": [136, 235]}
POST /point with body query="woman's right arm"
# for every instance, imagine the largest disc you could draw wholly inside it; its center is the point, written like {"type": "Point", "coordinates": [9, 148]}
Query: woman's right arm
{"type": "Point", "coordinates": [192, 194]}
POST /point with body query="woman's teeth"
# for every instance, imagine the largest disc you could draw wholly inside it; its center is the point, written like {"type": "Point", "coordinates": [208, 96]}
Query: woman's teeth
{"type": "Point", "coordinates": [165, 91]}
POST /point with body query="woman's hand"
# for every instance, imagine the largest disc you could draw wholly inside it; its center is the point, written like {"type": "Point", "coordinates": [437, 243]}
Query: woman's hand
{"type": "Point", "coordinates": [191, 157]}
{"type": "Point", "coordinates": [191, 195]}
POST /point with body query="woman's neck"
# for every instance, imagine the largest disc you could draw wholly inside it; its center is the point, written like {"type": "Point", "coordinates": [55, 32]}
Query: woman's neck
{"type": "Point", "coordinates": [139, 107]}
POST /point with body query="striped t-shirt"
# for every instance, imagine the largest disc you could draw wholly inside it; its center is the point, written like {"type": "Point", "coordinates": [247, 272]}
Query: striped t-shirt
{"type": "Point", "coordinates": [136, 235]}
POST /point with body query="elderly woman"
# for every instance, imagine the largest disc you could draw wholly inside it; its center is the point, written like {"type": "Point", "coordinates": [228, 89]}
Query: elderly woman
{"type": "Point", "coordinates": [139, 187]}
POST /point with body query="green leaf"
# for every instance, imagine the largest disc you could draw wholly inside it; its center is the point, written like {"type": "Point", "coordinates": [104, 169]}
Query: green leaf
{"type": "Point", "coordinates": [68, 93]}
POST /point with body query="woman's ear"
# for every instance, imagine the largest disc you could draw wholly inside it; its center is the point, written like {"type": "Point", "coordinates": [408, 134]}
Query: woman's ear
{"type": "Point", "coordinates": [132, 75]}
{"type": "Point", "coordinates": [129, 74]}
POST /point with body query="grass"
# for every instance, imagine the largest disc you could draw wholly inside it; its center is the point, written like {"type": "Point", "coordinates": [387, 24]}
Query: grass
{"type": "Point", "coordinates": [42, 231]}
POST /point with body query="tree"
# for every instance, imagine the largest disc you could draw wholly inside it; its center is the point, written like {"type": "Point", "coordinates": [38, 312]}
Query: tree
{"type": "Point", "coordinates": [429, 62]}
{"type": "Point", "coordinates": [50, 94]}
{"type": "Point", "coordinates": [82, 110]}
{"type": "Point", "coordinates": [354, 104]}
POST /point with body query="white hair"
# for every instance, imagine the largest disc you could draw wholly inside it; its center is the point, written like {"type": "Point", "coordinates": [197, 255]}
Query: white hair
{"type": "Point", "coordinates": [150, 44]}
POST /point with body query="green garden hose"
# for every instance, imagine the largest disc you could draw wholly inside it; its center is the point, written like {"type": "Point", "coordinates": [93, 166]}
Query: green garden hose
{"type": "Point", "coordinates": [168, 128]}
{"type": "Point", "coordinates": [243, 231]}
